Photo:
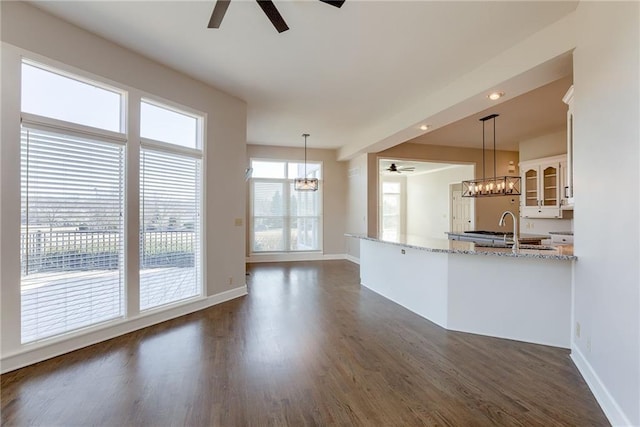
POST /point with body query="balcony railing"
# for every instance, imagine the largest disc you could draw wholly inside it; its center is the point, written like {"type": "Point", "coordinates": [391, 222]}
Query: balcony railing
{"type": "Point", "coordinates": [81, 250]}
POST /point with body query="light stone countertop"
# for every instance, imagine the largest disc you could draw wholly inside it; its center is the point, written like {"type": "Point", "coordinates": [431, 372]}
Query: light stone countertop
{"type": "Point", "coordinates": [560, 252]}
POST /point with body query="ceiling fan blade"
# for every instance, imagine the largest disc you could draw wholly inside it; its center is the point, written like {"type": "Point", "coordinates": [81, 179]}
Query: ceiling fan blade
{"type": "Point", "coordinates": [274, 16]}
{"type": "Point", "coordinates": [218, 13]}
{"type": "Point", "coordinates": [336, 3]}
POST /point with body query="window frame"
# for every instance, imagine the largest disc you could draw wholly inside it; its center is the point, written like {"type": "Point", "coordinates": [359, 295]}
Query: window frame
{"type": "Point", "coordinates": [286, 218]}
{"type": "Point", "coordinates": [201, 120]}
{"type": "Point", "coordinates": [195, 153]}
{"type": "Point", "coordinates": [130, 101]}
{"type": "Point", "coordinates": [72, 129]}
{"type": "Point", "coordinates": [86, 78]}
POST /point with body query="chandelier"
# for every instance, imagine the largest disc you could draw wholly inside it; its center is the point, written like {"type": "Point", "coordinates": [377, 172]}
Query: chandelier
{"type": "Point", "coordinates": [304, 183]}
{"type": "Point", "coordinates": [493, 186]}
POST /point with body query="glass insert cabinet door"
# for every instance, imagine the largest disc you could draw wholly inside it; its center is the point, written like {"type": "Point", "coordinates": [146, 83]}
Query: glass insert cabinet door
{"type": "Point", "coordinates": [549, 186]}
{"type": "Point", "coordinates": [530, 187]}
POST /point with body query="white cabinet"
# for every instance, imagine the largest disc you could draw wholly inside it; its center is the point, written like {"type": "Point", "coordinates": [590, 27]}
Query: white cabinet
{"type": "Point", "coordinates": [566, 202]}
{"type": "Point", "coordinates": [567, 188]}
{"type": "Point", "coordinates": [542, 185]}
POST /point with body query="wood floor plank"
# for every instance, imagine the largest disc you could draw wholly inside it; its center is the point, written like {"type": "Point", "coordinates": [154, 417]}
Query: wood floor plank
{"type": "Point", "coordinates": [307, 347]}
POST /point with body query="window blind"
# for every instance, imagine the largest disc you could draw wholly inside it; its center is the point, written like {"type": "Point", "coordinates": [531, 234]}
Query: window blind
{"type": "Point", "coordinates": [304, 220]}
{"type": "Point", "coordinates": [170, 236]}
{"type": "Point", "coordinates": [268, 215]}
{"type": "Point", "coordinates": [71, 234]}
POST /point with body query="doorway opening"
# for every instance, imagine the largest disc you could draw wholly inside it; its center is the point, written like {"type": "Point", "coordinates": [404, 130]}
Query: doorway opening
{"type": "Point", "coordinates": [415, 198]}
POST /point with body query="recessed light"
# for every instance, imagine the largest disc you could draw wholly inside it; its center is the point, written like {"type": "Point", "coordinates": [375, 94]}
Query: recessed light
{"type": "Point", "coordinates": [424, 127]}
{"type": "Point", "coordinates": [495, 95]}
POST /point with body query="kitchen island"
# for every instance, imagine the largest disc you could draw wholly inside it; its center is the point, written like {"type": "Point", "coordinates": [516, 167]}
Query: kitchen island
{"type": "Point", "coordinates": [463, 287]}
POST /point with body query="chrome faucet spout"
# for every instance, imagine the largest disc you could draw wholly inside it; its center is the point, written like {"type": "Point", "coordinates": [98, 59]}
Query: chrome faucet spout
{"type": "Point", "coordinates": [516, 239]}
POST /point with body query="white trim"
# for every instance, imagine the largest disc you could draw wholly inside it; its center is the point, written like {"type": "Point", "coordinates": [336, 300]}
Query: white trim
{"type": "Point", "coordinates": [170, 105]}
{"type": "Point", "coordinates": [611, 409]}
{"type": "Point", "coordinates": [352, 259]}
{"type": "Point", "coordinates": [42, 351]}
{"type": "Point", "coordinates": [294, 256]}
{"type": "Point", "coordinates": [47, 124]}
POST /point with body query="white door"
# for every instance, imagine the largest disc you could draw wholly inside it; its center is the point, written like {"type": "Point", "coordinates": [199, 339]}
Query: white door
{"type": "Point", "coordinates": [460, 212]}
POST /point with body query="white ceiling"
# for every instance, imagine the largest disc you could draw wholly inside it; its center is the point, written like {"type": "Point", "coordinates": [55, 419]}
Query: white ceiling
{"type": "Point", "coordinates": [335, 71]}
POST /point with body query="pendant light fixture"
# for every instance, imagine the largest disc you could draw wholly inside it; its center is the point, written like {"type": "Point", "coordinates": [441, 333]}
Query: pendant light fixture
{"type": "Point", "coordinates": [498, 185]}
{"type": "Point", "coordinates": [304, 183]}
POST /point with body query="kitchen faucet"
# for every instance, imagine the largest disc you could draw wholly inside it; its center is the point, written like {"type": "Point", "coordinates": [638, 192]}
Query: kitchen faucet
{"type": "Point", "coordinates": [501, 223]}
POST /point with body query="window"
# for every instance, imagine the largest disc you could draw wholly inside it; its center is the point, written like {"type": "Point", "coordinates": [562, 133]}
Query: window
{"type": "Point", "coordinates": [170, 207]}
{"type": "Point", "coordinates": [72, 228]}
{"type": "Point", "coordinates": [161, 123]}
{"type": "Point", "coordinates": [46, 93]}
{"type": "Point", "coordinates": [391, 210]}
{"type": "Point", "coordinates": [282, 219]}
{"type": "Point", "coordinates": [73, 243]}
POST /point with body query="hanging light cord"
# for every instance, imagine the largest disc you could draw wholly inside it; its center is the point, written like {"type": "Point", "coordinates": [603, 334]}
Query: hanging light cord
{"type": "Point", "coordinates": [483, 174]}
{"type": "Point", "coordinates": [494, 149]}
{"type": "Point", "coordinates": [305, 155]}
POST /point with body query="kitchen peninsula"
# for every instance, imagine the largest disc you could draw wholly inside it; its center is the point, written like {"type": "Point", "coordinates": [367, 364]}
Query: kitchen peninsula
{"type": "Point", "coordinates": [525, 296]}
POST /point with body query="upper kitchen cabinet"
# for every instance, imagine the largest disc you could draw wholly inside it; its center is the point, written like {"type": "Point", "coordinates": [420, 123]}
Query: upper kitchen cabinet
{"type": "Point", "coordinates": [542, 182]}
{"type": "Point", "coordinates": [567, 189]}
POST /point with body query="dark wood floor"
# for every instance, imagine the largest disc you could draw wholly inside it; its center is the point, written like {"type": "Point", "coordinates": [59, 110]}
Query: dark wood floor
{"type": "Point", "coordinates": [308, 346]}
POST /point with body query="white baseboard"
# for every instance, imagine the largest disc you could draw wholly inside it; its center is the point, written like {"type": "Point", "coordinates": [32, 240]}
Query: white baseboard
{"type": "Point", "coordinates": [609, 406]}
{"type": "Point", "coordinates": [38, 352]}
{"type": "Point", "coordinates": [300, 256]}
{"type": "Point", "coordinates": [352, 259]}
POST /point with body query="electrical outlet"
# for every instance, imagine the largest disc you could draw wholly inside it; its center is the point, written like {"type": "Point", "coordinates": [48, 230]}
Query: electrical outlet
{"type": "Point", "coordinates": [577, 329]}
{"type": "Point", "coordinates": [238, 222]}
{"type": "Point", "coordinates": [589, 345]}
{"type": "Point", "coordinates": [231, 280]}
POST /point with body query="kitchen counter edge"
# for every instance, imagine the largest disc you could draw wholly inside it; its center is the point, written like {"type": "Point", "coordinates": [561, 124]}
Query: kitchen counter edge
{"type": "Point", "coordinates": [468, 248]}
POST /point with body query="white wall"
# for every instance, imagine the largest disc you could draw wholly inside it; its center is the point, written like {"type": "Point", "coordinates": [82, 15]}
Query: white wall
{"type": "Point", "coordinates": [27, 30]}
{"type": "Point", "coordinates": [607, 154]}
{"type": "Point", "coordinates": [547, 145]}
{"type": "Point", "coordinates": [357, 187]}
{"type": "Point", "coordinates": [429, 203]}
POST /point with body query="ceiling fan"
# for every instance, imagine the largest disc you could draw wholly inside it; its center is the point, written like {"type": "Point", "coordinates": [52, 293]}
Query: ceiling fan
{"type": "Point", "coordinates": [267, 7]}
{"type": "Point", "coordinates": [394, 168]}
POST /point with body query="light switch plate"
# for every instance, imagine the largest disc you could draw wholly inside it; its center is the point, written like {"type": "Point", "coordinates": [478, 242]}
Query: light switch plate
{"type": "Point", "coordinates": [238, 222]}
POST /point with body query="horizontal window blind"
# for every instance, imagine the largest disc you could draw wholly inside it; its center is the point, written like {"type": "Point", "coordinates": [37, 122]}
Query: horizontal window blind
{"type": "Point", "coordinates": [283, 219]}
{"type": "Point", "coordinates": [71, 233]}
{"type": "Point", "coordinates": [268, 215]}
{"type": "Point", "coordinates": [170, 237]}
{"type": "Point", "coordinates": [304, 220]}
